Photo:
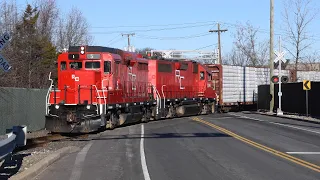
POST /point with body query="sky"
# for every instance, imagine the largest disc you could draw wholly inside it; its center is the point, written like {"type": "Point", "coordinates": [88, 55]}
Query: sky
{"type": "Point", "coordinates": [176, 24]}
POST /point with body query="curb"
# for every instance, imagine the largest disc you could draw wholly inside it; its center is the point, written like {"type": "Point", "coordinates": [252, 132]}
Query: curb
{"type": "Point", "coordinates": [287, 117]}
{"type": "Point", "coordinates": [44, 163]}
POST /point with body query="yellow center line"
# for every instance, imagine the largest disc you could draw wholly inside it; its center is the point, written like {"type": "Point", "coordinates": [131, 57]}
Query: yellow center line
{"type": "Point", "coordinates": [262, 147]}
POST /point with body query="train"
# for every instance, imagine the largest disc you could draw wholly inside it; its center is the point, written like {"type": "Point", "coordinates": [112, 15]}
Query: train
{"type": "Point", "coordinates": [102, 88]}
{"type": "Point", "coordinates": [237, 86]}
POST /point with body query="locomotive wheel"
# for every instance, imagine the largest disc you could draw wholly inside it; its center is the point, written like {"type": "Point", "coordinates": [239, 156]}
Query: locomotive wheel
{"type": "Point", "coordinates": [213, 108]}
{"type": "Point", "coordinates": [114, 120]}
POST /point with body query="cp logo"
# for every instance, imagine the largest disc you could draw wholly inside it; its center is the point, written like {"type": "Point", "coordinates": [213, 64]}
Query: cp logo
{"type": "Point", "coordinates": [74, 77]}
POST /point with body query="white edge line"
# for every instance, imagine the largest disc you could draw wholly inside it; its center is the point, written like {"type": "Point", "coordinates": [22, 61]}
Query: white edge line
{"type": "Point", "coordinates": [77, 168]}
{"type": "Point", "coordinates": [294, 127]}
{"type": "Point", "coordinates": [143, 157]}
{"type": "Point", "coordinates": [303, 152]}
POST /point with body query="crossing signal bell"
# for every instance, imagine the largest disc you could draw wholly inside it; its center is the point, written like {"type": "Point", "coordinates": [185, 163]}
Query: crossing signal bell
{"type": "Point", "coordinates": [275, 79]}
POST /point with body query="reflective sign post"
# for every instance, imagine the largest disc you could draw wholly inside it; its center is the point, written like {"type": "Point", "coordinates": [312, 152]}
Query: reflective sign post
{"type": "Point", "coordinates": [307, 86]}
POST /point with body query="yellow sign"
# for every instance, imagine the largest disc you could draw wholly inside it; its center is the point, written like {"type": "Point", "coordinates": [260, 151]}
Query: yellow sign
{"type": "Point", "coordinates": [306, 85]}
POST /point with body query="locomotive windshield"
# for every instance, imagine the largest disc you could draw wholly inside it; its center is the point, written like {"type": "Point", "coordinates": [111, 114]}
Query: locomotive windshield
{"type": "Point", "coordinates": [107, 66]}
{"type": "Point", "coordinates": [92, 65]}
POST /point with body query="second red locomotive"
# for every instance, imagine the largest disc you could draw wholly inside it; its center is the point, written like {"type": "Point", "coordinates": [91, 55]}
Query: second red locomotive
{"type": "Point", "coordinates": [101, 87]}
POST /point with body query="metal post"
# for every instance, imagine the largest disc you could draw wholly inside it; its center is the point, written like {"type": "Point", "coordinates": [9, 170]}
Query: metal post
{"type": "Point", "coordinates": [307, 103]}
{"type": "Point", "coordinates": [55, 95]}
{"type": "Point", "coordinates": [271, 55]}
{"type": "Point", "coordinates": [79, 94]}
{"type": "Point", "coordinates": [65, 93]}
{"type": "Point", "coordinates": [279, 112]}
{"type": "Point", "coordinates": [91, 94]}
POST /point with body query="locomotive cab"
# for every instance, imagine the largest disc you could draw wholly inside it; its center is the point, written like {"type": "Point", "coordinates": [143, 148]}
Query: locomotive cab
{"type": "Point", "coordinates": [93, 82]}
{"type": "Point", "coordinates": [83, 81]}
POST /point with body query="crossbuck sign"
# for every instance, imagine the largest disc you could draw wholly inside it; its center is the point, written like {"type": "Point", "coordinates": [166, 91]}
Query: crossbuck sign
{"type": "Point", "coordinates": [4, 39]}
{"type": "Point", "coordinates": [280, 57]}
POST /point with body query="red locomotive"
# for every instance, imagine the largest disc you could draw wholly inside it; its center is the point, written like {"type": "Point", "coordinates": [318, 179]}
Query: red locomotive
{"type": "Point", "coordinates": [101, 87]}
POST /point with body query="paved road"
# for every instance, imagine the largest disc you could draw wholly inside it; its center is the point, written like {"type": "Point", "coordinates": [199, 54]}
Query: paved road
{"type": "Point", "coordinates": [185, 148]}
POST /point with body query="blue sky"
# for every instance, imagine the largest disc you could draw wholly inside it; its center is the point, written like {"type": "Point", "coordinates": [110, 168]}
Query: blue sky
{"type": "Point", "coordinates": [106, 18]}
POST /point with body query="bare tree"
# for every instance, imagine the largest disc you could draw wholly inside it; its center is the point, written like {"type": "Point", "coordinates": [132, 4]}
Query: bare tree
{"type": "Point", "coordinates": [298, 15]}
{"type": "Point", "coordinates": [48, 15]}
{"type": "Point", "coordinates": [8, 22]}
{"type": "Point", "coordinates": [311, 62]}
{"type": "Point", "coordinates": [8, 16]}
{"type": "Point", "coordinates": [247, 49]}
{"type": "Point", "coordinates": [73, 31]}
{"type": "Point", "coordinates": [235, 57]}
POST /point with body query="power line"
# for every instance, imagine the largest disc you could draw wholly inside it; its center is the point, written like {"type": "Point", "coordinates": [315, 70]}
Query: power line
{"type": "Point", "coordinates": [152, 25]}
{"type": "Point", "coordinates": [206, 46]}
{"type": "Point", "coordinates": [113, 39]}
{"type": "Point", "coordinates": [173, 38]}
{"type": "Point", "coordinates": [155, 29]}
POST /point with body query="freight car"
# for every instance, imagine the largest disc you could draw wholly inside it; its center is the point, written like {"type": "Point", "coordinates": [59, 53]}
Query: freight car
{"type": "Point", "coordinates": [101, 87]}
{"type": "Point", "coordinates": [237, 86]}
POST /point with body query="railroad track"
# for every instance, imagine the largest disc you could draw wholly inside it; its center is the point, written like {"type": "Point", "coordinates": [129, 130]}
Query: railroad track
{"type": "Point", "coordinates": [44, 140]}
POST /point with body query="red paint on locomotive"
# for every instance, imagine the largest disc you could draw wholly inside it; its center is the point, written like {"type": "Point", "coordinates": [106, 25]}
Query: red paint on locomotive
{"type": "Point", "coordinates": [107, 87]}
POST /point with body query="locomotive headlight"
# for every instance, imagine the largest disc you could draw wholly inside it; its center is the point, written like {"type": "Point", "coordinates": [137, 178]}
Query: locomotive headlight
{"type": "Point", "coordinates": [57, 106]}
{"type": "Point", "coordinates": [88, 106]}
{"type": "Point", "coordinates": [82, 50]}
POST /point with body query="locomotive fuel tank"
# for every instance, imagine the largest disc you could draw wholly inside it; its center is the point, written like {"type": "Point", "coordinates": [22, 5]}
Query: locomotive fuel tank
{"type": "Point", "coordinates": [188, 110]}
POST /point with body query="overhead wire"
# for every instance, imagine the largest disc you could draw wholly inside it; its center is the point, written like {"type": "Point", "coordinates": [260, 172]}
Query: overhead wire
{"type": "Point", "coordinates": [154, 29]}
{"type": "Point", "coordinates": [116, 37]}
{"type": "Point", "coordinates": [206, 46]}
{"type": "Point", "coordinates": [173, 38]}
{"type": "Point", "coordinates": [152, 25]}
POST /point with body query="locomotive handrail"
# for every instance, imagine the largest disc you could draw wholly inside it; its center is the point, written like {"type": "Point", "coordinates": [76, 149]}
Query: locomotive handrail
{"type": "Point", "coordinates": [98, 95]}
{"type": "Point", "coordinates": [158, 99]}
{"type": "Point", "coordinates": [164, 97]}
{"type": "Point", "coordinates": [104, 96]}
{"type": "Point", "coordinates": [48, 94]}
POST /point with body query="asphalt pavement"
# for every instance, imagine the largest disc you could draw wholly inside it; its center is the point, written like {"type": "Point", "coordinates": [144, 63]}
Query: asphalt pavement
{"type": "Point", "coordinates": [215, 147]}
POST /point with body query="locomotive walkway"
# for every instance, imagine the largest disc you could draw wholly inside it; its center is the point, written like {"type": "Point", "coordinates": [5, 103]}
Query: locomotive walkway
{"type": "Point", "coordinates": [221, 146]}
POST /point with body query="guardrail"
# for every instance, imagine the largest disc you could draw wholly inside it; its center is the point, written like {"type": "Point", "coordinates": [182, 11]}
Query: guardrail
{"type": "Point", "coordinates": [16, 138]}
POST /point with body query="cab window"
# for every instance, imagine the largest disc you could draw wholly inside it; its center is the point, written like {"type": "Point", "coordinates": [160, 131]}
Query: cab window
{"type": "Point", "coordinates": [63, 65]}
{"type": "Point", "coordinates": [107, 66]}
{"type": "Point", "coordinates": [92, 65]}
{"type": "Point", "coordinates": [209, 76]}
{"type": "Point", "coordinates": [75, 65]}
{"type": "Point", "coordinates": [201, 75]}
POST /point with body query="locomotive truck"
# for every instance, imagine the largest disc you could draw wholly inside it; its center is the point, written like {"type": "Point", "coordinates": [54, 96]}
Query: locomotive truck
{"type": "Point", "coordinates": [103, 88]}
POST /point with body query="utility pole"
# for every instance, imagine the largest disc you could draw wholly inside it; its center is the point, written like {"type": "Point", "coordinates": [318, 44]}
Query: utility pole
{"type": "Point", "coordinates": [271, 55]}
{"type": "Point", "coordinates": [130, 34]}
{"type": "Point", "coordinates": [219, 43]}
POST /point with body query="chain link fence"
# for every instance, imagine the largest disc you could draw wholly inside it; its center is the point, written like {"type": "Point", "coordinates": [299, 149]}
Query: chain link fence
{"type": "Point", "coordinates": [21, 106]}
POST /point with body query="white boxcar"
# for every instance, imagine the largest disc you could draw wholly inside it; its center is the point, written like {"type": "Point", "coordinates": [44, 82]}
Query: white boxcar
{"type": "Point", "coordinates": [236, 85]}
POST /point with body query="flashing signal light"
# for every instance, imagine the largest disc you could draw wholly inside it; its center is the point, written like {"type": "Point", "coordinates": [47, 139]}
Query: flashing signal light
{"type": "Point", "coordinates": [284, 79]}
{"type": "Point", "coordinates": [275, 79]}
